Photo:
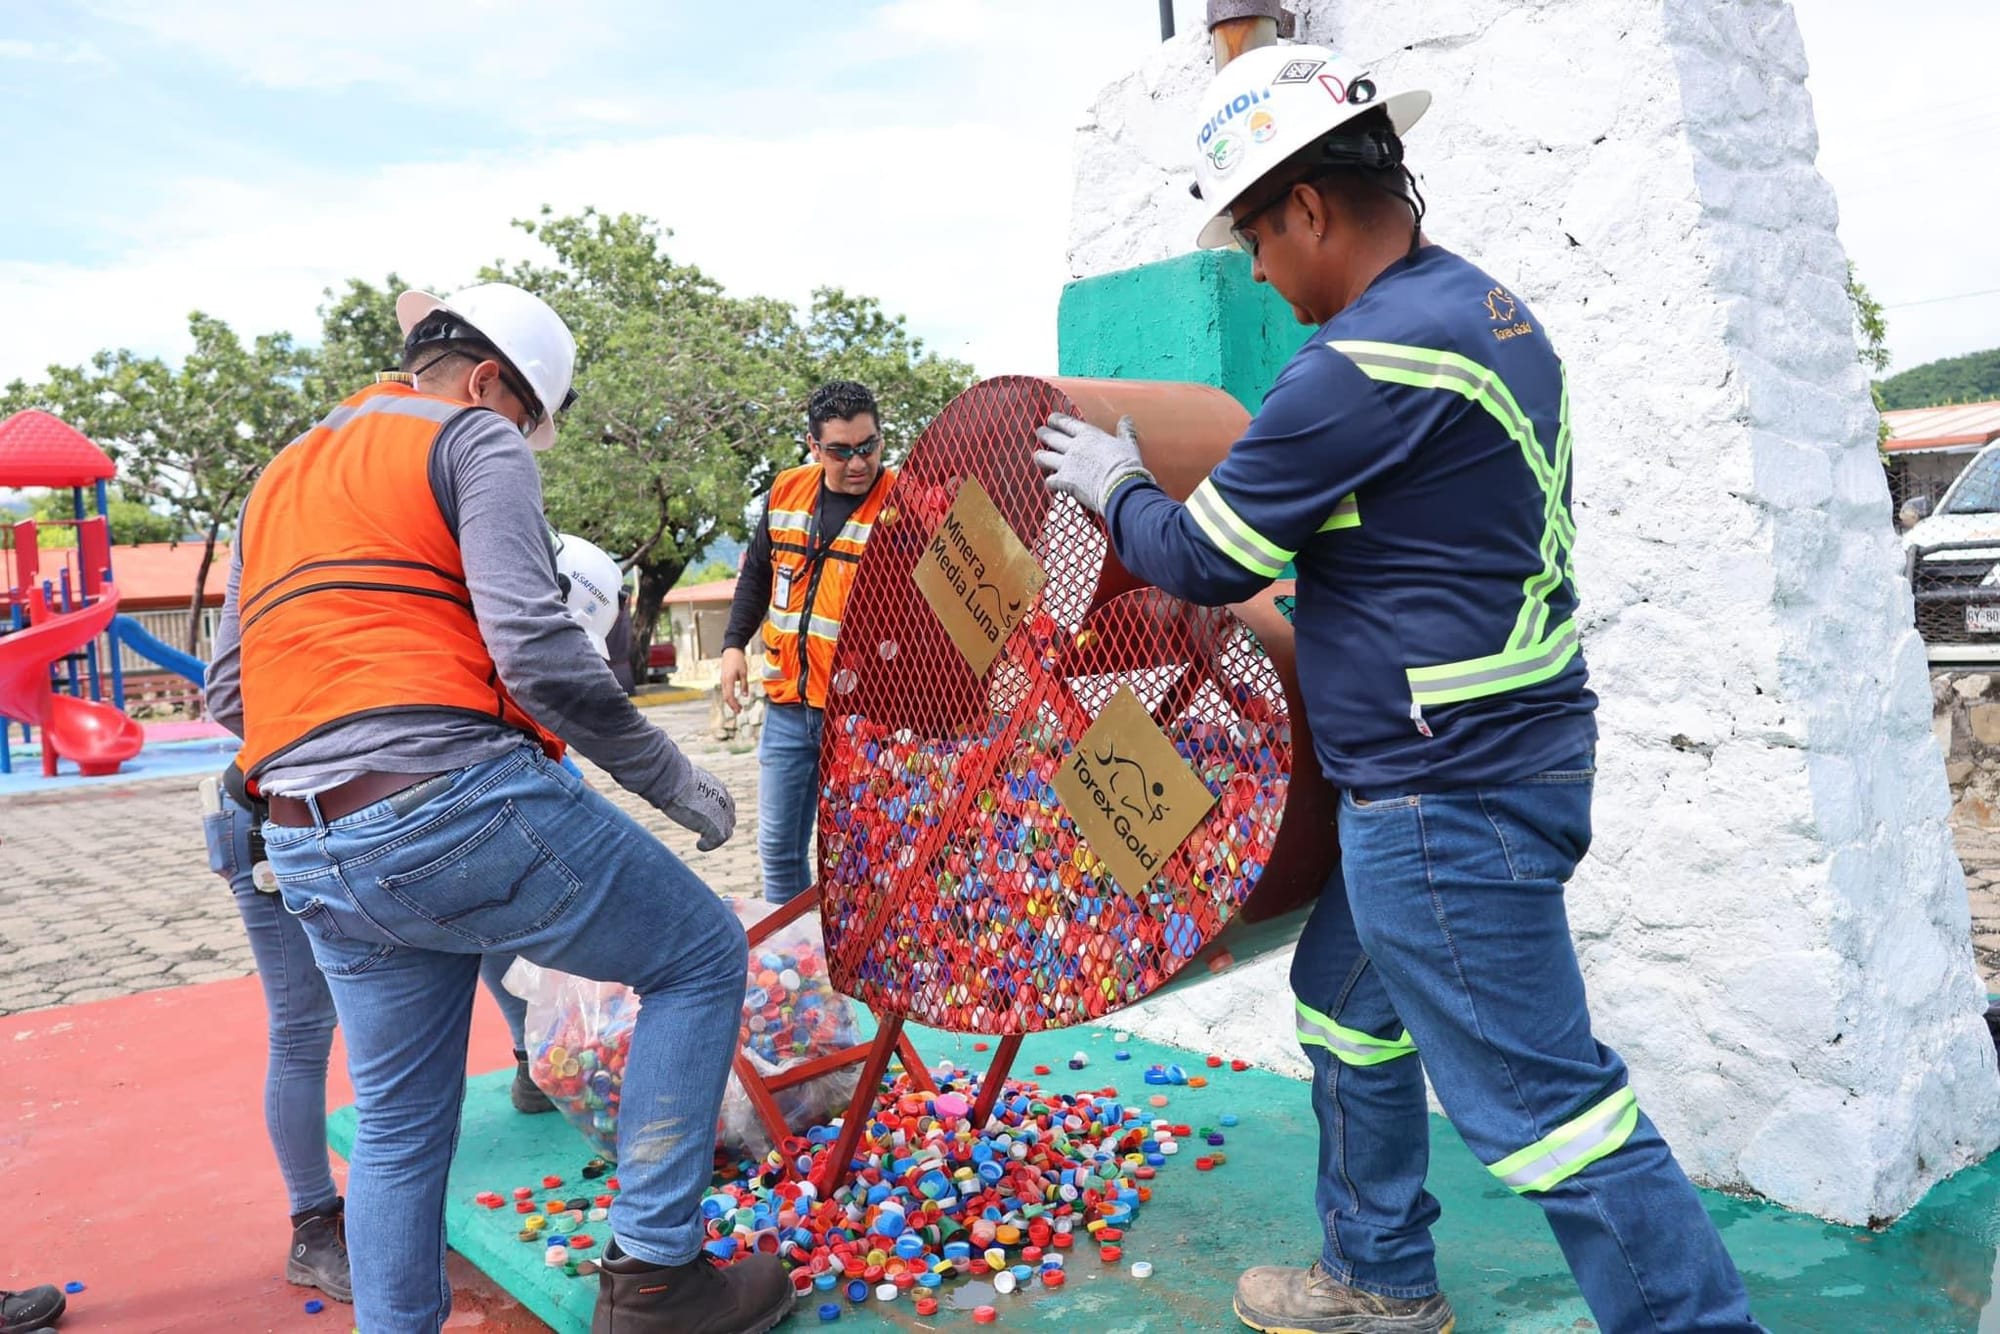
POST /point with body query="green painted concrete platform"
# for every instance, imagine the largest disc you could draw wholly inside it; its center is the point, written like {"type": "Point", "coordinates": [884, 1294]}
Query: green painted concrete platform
{"type": "Point", "coordinates": [1933, 1271]}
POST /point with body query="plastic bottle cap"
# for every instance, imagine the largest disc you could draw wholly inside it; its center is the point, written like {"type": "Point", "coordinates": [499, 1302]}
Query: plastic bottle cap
{"type": "Point", "coordinates": [1003, 1282]}
{"type": "Point", "coordinates": [886, 1292]}
{"type": "Point", "coordinates": [984, 1315]}
{"type": "Point", "coordinates": [1140, 1269]}
{"type": "Point", "coordinates": [829, 1312]}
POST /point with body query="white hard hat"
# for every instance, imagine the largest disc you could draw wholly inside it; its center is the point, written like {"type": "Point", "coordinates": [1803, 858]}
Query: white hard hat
{"type": "Point", "coordinates": [590, 581]}
{"type": "Point", "coordinates": [520, 324]}
{"type": "Point", "coordinates": [1266, 105]}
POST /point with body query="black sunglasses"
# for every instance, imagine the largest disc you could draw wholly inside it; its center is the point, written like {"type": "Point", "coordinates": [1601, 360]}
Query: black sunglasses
{"type": "Point", "coordinates": [1246, 238]}
{"type": "Point", "coordinates": [845, 452]}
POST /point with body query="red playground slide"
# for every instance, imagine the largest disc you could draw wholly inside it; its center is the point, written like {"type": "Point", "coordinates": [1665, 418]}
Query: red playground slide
{"type": "Point", "coordinates": [97, 737]}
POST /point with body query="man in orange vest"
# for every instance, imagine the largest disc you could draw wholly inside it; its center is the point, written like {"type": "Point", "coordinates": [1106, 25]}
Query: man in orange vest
{"type": "Point", "coordinates": [795, 579]}
{"type": "Point", "coordinates": [394, 653]}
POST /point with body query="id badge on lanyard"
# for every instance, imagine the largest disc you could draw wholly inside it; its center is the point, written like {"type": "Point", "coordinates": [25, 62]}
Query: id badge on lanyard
{"type": "Point", "coordinates": [782, 580]}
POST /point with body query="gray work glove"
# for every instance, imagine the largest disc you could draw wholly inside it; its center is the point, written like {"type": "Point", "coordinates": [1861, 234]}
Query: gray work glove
{"type": "Point", "coordinates": [704, 807]}
{"type": "Point", "coordinates": [1087, 463]}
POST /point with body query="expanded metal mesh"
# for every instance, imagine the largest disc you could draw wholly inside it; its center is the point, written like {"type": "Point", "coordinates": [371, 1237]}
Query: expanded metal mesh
{"type": "Point", "coordinates": [956, 888]}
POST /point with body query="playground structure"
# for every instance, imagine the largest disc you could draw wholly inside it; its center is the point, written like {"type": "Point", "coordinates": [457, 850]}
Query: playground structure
{"type": "Point", "coordinates": [59, 603]}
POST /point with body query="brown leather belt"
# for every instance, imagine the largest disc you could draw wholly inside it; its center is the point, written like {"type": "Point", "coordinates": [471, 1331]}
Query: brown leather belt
{"type": "Point", "coordinates": [347, 798]}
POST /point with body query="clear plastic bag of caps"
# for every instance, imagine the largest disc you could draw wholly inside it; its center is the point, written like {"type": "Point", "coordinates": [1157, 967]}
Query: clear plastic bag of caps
{"type": "Point", "coordinates": [579, 1036]}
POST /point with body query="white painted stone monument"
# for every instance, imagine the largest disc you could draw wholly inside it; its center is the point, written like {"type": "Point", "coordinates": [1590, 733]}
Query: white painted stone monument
{"type": "Point", "coordinates": [1773, 921]}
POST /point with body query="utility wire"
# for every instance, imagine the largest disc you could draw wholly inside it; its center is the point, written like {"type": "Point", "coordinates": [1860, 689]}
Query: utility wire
{"type": "Point", "coordinates": [1936, 300]}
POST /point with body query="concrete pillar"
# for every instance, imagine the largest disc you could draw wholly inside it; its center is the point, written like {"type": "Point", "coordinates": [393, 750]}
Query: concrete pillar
{"type": "Point", "coordinates": [1773, 920]}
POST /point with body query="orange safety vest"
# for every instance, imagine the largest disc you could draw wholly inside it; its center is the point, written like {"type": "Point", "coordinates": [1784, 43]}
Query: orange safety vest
{"type": "Point", "coordinates": [353, 599]}
{"type": "Point", "coordinates": [811, 575]}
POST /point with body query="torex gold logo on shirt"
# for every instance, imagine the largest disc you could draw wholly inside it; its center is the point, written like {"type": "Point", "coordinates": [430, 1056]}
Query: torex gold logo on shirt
{"type": "Point", "coordinates": [1503, 310]}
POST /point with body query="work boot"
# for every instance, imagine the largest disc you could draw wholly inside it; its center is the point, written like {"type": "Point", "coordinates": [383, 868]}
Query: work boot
{"type": "Point", "coordinates": [699, 1297]}
{"type": "Point", "coordinates": [528, 1096]}
{"type": "Point", "coordinates": [1308, 1301]}
{"type": "Point", "coordinates": [31, 1309]}
{"type": "Point", "coordinates": [318, 1257]}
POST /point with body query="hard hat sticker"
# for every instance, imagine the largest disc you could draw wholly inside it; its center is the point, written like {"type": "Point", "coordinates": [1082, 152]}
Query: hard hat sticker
{"type": "Point", "coordinates": [1132, 796]}
{"type": "Point", "coordinates": [978, 577]}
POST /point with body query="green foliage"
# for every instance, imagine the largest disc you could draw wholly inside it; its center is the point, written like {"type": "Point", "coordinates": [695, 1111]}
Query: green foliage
{"type": "Point", "coordinates": [132, 521]}
{"type": "Point", "coordinates": [689, 399]}
{"type": "Point", "coordinates": [188, 439]}
{"type": "Point", "coordinates": [359, 336]}
{"type": "Point", "coordinates": [708, 573]}
{"type": "Point", "coordinates": [1871, 334]}
{"type": "Point", "coordinates": [1972, 378]}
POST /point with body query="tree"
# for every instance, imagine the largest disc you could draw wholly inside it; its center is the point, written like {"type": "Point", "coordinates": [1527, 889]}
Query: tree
{"type": "Point", "coordinates": [687, 399]}
{"type": "Point", "coordinates": [1972, 378]}
{"type": "Point", "coordinates": [189, 438]}
{"type": "Point", "coordinates": [1871, 333]}
{"type": "Point", "coordinates": [132, 521]}
{"type": "Point", "coordinates": [358, 337]}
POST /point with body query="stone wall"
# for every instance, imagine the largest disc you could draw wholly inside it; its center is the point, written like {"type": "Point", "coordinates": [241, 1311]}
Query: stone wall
{"type": "Point", "coordinates": [1965, 713]}
{"type": "Point", "coordinates": [1772, 920]}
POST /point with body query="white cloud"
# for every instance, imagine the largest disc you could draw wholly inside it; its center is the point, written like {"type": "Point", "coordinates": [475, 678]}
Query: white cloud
{"type": "Point", "coordinates": [424, 52]}
{"type": "Point", "coordinates": [52, 53]}
{"type": "Point", "coordinates": [951, 210]}
{"type": "Point", "coordinates": [1907, 115]}
{"type": "Point", "coordinates": [957, 228]}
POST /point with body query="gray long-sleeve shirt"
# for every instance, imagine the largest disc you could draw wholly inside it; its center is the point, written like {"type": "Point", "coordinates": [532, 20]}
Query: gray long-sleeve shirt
{"type": "Point", "coordinates": [484, 479]}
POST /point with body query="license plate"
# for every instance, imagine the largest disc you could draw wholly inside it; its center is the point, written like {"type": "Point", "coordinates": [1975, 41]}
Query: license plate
{"type": "Point", "coordinates": [1983, 620]}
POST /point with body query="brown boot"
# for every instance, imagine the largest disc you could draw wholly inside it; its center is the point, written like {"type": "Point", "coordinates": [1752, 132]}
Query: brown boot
{"type": "Point", "coordinates": [699, 1297]}
{"type": "Point", "coordinates": [1308, 1301]}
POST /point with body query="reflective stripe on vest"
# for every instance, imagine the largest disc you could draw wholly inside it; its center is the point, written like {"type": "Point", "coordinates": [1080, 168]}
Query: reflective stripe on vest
{"type": "Point", "coordinates": [1534, 651]}
{"type": "Point", "coordinates": [820, 627]}
{"type": "Point", "coordinates": [1576, 1144]}
{"type": "Point", "coordinates": [1351, 1045]}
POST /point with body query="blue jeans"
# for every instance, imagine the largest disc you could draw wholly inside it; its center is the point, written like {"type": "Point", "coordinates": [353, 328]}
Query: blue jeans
{"type": "Point", "coordinates": [787, 798]}
{"type": "Point", "coordinates": [399, 900]}
{"type": "Point", "coordinates": [1451, 944]}
{"type": "Point", "coordinates": [299, 1014]}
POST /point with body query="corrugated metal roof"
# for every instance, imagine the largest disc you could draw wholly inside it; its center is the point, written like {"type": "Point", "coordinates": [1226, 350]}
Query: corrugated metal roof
{"type": "Point", "coordinates": [1962, 426]}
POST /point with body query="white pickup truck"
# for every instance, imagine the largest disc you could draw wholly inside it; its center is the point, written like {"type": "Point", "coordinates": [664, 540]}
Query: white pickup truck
{"type": "Point", "coordinates": [1953, 552]}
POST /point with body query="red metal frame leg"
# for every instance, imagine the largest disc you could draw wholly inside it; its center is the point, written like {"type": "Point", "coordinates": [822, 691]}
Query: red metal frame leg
{"type": "Point", "coordinates": [996, 1075]}
{"type": "Point", "coordinates": [833, 1170]}
{"type": "Point", "coordinates": [761, 1100]}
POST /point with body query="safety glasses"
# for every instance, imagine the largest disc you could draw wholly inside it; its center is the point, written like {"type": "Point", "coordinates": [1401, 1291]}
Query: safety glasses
{"type": "Point", "coordinates": [845, 452]}
{"type": "Point", "coordinates": [1244, 237]}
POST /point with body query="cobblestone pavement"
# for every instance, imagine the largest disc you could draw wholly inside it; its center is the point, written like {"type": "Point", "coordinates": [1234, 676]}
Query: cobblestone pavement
{"type": "Point", "coordinates": [106, 890]}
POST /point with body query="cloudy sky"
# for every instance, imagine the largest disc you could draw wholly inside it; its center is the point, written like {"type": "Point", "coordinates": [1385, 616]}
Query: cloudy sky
{"type": "Point", "coordinates": [239, 157]}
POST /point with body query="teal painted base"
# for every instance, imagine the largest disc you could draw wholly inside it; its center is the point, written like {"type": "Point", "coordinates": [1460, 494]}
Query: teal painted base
{"type": "Point", "coordinates": [1933, 1271]}
{"type": "Point", "coordinates": [1197, 318]}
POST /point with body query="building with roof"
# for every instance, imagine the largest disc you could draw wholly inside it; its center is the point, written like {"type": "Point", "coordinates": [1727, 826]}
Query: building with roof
{"type": "Point", "coordinates": [1928, 447]}
{"type": "Point", "coordinates": [695, 617]}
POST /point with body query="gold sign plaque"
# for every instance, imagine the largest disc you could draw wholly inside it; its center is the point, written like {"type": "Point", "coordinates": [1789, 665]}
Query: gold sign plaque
{"type": "Point", "coordinates": [1130, 793]}
{"type": "Point", "coordinates": [978, 578]}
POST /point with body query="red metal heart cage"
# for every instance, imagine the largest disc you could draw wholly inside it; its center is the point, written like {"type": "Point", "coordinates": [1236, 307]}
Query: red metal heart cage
{"type": "Point", "coordinates": [955, 887]}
